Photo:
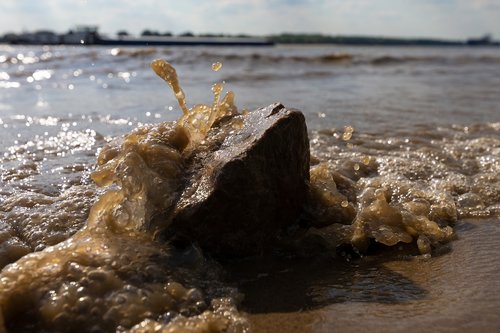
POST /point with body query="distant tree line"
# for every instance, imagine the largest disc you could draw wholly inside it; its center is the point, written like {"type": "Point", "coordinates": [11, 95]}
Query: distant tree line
{"type": "Point", "coordinates": [290, 38]}
{"type": "Point", "coordinates": [149, 32]}
{"type": "Point", "coordinates": [303, 38]}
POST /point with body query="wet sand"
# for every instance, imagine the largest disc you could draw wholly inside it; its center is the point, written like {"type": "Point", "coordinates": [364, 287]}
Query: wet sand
{"type": "Point", "coordinates": [456, 290]}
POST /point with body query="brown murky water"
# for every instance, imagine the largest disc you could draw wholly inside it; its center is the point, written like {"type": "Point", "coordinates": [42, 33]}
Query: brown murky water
{"type": "Point", "coordinates": [418, 201]}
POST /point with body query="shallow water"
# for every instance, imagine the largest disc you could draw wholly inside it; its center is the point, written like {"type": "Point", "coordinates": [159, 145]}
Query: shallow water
{"type": "Point", "coordinates": [456, 289]}
{"type": "Point", "coordinates": [405, 138]}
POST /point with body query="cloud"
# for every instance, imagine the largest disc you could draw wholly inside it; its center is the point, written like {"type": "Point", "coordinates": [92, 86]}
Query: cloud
{"type": "Point", "coordinates": [484, 4]}
{"type": "Point", "coordinates": [425, 18]}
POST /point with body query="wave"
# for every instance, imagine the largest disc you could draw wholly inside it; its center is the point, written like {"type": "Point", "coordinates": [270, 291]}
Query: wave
{"type": "Point", "coordinates": [436, 60]}
{"type": "Point", "coordinates": [270, 56]}
{"type": "Point", "coordinates": [266, 76]}
{"type": "Point", "coordinates": [351, 59]}
{"type": "Point", "coordinates": [326, 58]}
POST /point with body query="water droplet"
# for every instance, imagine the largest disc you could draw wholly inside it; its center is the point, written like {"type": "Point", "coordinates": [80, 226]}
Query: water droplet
{"type": "Point", "coordinates": [217, 88]}
{"type": "Point", "coordinates": [347, 135]}
{"type": "Point", "coordinates": [216, 66]}
{"type": "Point", "coordinates": [356, 166]}
{"type": "Point", "coordinates": [344, 203]}
{"type": "Point", "coordinates": [366, 160]}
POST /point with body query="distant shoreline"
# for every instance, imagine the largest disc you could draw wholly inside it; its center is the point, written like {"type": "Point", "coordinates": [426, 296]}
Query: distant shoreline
{"type": "Point", "coordinates": [185, 41]}
{"type": "Point", "coordinates": [89, 36]}
{"type": "Point", "coordinates": [378, 41]}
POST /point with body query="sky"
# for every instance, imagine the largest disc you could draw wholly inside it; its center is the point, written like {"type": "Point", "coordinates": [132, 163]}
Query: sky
{"type": "Point", "coordinates": [451, 19]}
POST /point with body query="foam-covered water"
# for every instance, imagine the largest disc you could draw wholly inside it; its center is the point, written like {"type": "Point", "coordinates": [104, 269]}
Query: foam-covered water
{"type": "Point", "coordinates": [405, 145]}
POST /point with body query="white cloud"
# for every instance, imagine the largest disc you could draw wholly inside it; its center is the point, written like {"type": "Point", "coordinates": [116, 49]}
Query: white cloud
{"type": "Point", "coordinates": [426, 18]}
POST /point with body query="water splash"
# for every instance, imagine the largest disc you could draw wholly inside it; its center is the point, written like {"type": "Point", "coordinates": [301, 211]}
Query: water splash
{"type": "Point", "coordinates": [112, 272]}
{"type": "Point", "coordinates": [216, 66]}
{"type": "Point", "coordinates": [199, 119]}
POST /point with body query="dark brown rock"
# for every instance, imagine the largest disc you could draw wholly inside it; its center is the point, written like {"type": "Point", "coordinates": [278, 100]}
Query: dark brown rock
{"type": "Point", "coordinates": [246, 183]}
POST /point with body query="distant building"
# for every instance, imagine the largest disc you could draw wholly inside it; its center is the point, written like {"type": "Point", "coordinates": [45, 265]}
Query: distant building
{"type": "Point", "coordinates": [81, 35]}
{"type": "Point", "coordinates": [38, 37]}
{"type": "Point", "coordinates": [10, 38]}
{"type": "Point", "coordinates": [485, 40]}
{"type": "Point", "coordinates": [46, 37]}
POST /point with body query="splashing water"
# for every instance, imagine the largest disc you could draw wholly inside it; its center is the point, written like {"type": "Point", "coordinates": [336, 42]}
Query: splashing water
{"type": "Point", "coordinates": [216, 66]}
{"type": "Point", "coordinates": [112, 273]}
{"type": "Point", "coordinates": [200, 118]}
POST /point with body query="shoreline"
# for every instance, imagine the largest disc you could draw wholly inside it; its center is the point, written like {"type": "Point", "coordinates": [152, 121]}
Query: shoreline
{"type": "Point", "coordinates": [251, 44]}
{"type": "Point", "coordinates": [428, 284]}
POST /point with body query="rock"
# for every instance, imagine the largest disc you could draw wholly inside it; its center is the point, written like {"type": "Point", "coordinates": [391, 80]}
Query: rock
{"type": "Point", "coordinates": [246, 183]}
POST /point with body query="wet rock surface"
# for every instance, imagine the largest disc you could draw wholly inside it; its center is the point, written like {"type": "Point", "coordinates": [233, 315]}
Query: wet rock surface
{"type": "Point", "coordinates": [247, 182]}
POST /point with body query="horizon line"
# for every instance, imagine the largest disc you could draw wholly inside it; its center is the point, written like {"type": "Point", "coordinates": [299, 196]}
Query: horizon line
{"type": "Point", "coordinates": [187, 33]}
